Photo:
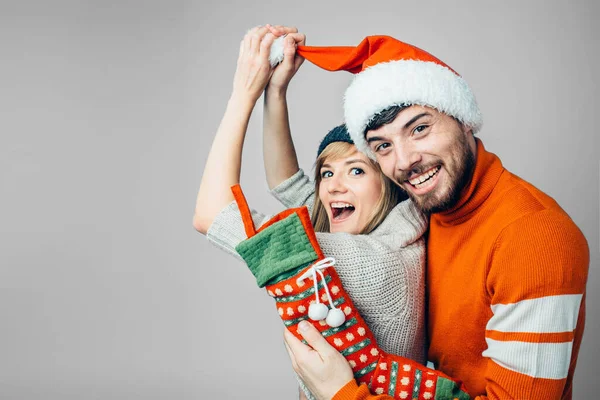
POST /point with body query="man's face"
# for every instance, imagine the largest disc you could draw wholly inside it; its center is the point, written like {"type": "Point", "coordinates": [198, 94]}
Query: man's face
{"type": "Point", "coordinates": [428, 154]}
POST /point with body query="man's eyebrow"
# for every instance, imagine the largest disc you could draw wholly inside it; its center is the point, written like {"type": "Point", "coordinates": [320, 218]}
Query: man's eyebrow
{"type": "Point", "coordinates": [415, 118]}
{"type": "Point", "coordinates": [409, 123]}
{"type": "Point", "coordinates": [374, 139]}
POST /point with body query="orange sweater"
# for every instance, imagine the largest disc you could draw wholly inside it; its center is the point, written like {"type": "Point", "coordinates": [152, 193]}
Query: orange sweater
{"type": "Point", "coordinates": [506, 278]}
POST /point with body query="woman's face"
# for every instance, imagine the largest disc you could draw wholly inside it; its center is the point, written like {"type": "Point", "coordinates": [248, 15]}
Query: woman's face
{"type": "Point", "coordinates": [350, 188]}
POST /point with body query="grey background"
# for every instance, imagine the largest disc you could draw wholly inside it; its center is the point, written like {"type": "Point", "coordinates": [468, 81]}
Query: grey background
{"type": "Point", "coordinates": [107, 112]}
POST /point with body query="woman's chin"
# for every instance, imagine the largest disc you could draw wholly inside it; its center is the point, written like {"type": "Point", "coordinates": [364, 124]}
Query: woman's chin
{"type": "Point", "coordinates": [346, 226]}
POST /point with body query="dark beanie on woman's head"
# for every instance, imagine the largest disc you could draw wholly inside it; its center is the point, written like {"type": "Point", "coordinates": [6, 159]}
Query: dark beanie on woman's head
{"type": "Point", "coordinates": [337, 134]}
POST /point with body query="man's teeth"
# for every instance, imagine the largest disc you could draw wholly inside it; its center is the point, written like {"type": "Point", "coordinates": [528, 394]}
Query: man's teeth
{"type": "Point", "coordinates": [424, 177]}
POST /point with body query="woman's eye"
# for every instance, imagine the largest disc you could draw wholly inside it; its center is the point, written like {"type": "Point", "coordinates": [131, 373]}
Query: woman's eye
{"type": "Point", "coordinates": [326, 174]}
{"type": "Point", "coordinates": [356, 171]}
{"type": "Point", "coordinates": [419, 129]}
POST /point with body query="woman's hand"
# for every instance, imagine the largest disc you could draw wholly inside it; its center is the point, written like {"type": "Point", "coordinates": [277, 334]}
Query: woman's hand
{"type": "Point", "coordinates": [285, 71]}
{"type": "Point", "coordinates": [322, 368]}
{"type": "Point", "coordinates": [253, 69]}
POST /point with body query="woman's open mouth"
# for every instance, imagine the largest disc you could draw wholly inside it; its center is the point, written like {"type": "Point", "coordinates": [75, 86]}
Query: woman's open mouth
{"type": "Point", "coordinates": [341, 211]}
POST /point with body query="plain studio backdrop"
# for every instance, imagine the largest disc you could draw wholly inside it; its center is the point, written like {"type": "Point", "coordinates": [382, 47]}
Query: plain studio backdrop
{"type": "Point", "coordinates": [107, 113]}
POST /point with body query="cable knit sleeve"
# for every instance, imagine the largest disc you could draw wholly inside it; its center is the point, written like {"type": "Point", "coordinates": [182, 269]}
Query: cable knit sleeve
{"type": "Point", "coordinates": [227, 229]}
{"type": "Point", "coordinates": [298, 190]}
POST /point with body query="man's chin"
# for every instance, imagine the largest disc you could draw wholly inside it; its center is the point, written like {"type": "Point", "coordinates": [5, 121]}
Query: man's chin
{"type": "Point", "coordinates": [433, 202]}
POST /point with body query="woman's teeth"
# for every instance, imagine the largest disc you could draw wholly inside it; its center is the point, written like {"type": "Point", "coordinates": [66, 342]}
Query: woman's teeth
{"type": "Point", "coordinates": [341, 210]}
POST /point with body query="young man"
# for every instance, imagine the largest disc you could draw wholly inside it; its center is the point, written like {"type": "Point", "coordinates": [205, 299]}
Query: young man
{"type": "Point", "coordinates": [507, 267]}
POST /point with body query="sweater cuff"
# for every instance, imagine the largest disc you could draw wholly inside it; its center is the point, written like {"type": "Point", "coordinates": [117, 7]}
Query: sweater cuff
{"type": "Point", "coordinates": [348, 392]}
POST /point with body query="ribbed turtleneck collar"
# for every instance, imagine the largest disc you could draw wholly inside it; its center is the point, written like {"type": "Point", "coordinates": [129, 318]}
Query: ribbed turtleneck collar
{"type": "Point", "coordinates": [488, 169]}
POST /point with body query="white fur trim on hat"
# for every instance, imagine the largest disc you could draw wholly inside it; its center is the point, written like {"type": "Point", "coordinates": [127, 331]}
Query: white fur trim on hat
{"type": "Point", "coordinates": [406, 82]}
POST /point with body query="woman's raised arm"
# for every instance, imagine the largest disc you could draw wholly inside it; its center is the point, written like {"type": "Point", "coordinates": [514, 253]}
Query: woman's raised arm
{"type": "Point", "coordinates": [279, 153]}
{"type": "Point", "coordinates": [223, 165]}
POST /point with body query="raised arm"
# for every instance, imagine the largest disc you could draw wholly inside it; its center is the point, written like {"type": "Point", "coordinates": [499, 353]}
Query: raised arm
{"type": "Point", "coordinates": [222, 169]}
{"type": "Point", "coordinates": [278, 148]}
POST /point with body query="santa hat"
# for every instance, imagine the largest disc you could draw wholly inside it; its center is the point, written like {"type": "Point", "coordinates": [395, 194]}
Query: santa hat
{"type": "Point", "coordinates": [390, 72]}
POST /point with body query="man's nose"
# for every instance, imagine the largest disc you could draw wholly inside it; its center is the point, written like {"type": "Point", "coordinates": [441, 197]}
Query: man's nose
{"type": "Point", "coordinates": [406, 157]}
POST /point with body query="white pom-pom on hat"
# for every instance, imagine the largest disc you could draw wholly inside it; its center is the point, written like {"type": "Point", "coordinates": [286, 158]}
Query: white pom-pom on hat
{"type": "Point", "coordinates": [276, 54]}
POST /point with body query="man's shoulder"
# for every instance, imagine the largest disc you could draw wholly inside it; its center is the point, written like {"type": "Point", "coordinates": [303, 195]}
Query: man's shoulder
{"type": "Point", "coordinates": [526, 210]}
{"type": "Point", "coordinates": [516, 200]}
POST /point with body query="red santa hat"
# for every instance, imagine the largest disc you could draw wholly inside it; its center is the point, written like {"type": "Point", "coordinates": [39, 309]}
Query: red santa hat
{"type": "Point", "coordinates": [390, 72]}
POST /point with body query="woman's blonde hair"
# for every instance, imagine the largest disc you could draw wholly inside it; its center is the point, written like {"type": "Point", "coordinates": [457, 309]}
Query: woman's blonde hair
{"type": "Point", "coordinates": [391, 194]}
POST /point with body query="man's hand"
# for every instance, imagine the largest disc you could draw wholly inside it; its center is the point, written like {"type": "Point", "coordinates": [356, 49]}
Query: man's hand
{"type": "Point", "coordinates": [324, 370]}
{"type": "Point", "coordinates": [286, 70]}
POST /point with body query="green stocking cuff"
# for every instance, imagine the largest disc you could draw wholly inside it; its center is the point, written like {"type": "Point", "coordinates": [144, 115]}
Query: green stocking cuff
{"type": "Point", "coordinates": [281, 247]}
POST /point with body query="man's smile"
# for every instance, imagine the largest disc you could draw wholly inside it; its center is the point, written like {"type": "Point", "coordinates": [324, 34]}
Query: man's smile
{"type": "Point", "coordinates": [424, 182]}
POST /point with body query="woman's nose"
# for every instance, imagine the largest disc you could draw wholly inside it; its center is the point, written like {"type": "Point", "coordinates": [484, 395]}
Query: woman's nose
{"type": "Point", "coordinates": [336, 184]}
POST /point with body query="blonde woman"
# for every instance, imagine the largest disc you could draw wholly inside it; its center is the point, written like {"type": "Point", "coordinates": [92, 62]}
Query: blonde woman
{"type": "Point", "coordinates": [361, 219]}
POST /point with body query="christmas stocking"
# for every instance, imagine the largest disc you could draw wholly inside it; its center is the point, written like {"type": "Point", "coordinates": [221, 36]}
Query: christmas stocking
{"type": "Point", "coordinates": [285, 257]}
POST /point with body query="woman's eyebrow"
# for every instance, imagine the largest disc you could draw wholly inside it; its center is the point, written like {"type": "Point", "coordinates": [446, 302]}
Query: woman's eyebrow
{"type": "Point", "coordinates": [356, 160]}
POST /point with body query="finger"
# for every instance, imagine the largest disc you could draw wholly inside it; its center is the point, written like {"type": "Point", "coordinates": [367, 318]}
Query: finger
{"type": "Point", "coordinates": [265, 44]}
{"type": "Point", "coordinates": [286, 29]}
{"type": "Point", "coordinates": [300, 39]}
{"type": "Point", "coordinates": [289, 52]}
{"type": "Point", "coordinates": [256, 38]}
{"type": "Point", "coordinates": [275, 30]}
{"type": "Point", "coordinates": [248, 38]}
{"type": "Point", "coordinates": [299, 349]}
{"type": "Point", "coordinates": [286, 333]}
{"type": "Point", "coordinates": [290, 29]}
{"type": "Point", "coordinates": [314, 339]}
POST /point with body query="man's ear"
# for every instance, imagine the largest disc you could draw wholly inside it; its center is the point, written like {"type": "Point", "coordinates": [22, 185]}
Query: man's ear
{"type": "Point", "coordinates": [467, 130]}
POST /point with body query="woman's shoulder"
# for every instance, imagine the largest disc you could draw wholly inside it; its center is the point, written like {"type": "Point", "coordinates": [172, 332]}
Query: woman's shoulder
{"type": "Point", "coordinates": [405, 223]}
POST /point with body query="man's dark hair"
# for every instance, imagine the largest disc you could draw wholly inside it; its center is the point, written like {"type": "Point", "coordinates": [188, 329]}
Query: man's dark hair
{"type": "Point", "coordinates": [384, 117]}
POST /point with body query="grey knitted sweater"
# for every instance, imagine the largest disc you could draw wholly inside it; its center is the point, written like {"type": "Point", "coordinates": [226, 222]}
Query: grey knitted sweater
{"type": "Point", "coordinates": [383, 271]}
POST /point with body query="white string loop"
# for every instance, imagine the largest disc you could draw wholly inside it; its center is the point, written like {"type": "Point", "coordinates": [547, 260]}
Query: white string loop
{"type": "Point", "coordinates": [317, 311]}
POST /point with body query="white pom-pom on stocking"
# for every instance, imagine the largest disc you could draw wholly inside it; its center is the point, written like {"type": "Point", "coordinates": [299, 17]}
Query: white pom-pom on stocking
{"type": "Point", "coordinates": [335, 317]}
{"type": "Point", "coordinates": [317, 311]}
{"type": "Point", "coordinates": [276, 54]}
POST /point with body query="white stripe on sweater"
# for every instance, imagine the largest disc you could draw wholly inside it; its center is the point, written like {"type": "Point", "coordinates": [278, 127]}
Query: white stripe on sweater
{"type": "Point", "coordinates": [549, 314]}
{"type": "Point", "coordinates": [539, 360]}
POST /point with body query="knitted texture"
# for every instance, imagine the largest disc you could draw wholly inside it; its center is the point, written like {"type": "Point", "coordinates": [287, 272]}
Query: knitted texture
{"type": "Point", "coordinates": [283, 247]}
{"type": "Point", "coordinates": [510, 262]}
{"type": "Point", "coordinates": [353, 339]}
{"type": "Point", "coordinates": [520, 264]}
{"type": "Point", "coordinates": [383, 272]}
{"type": "Point", "coordinates": [337, 134]}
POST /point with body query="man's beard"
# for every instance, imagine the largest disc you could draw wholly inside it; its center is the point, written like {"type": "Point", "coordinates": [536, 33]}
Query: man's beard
{"type": "Point", "coordinates": [464, 160]}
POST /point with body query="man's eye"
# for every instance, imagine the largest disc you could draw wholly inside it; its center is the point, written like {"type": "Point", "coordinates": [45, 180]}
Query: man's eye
{"type": "Point", "coordinates": [382, 146]}
{"type": "Point", "coordinates": [356, 171]}
{"type": "Point", "coordinates": [419, 129]}
{"type": "Point", "coordinates": [326, 174]}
